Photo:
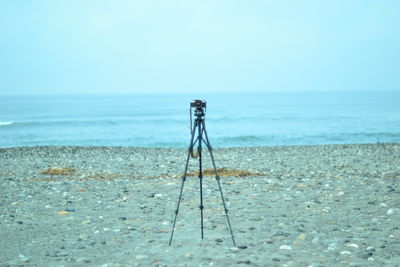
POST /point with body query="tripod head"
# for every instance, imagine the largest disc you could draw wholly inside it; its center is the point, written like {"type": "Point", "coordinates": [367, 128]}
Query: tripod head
{"type": "Point", "coordinates": [199, 107]}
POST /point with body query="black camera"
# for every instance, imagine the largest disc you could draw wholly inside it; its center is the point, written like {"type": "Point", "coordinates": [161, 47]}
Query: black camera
{"type": "Point", "coordinates": [198, 104]}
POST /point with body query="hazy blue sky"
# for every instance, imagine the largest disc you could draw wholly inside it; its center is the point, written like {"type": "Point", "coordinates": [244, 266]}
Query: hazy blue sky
{"type": "Point", "coordinates": [127, 46]}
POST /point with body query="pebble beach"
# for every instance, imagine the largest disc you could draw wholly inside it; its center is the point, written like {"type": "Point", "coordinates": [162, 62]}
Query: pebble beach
{"type": "Point", "coordinates": [325, 205]}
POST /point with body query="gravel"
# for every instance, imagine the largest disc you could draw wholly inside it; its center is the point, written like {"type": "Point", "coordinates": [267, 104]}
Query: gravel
{"type": "Point", "coordinates": [110, 206]}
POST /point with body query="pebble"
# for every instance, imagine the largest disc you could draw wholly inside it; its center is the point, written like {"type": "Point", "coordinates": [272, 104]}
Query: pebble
{"type": "Point", "coordinates": [390, 212]}
{"type": "Point", "coordinates": [141, 257]}
{"type": "Point", "coordinates": [285, 247]}
{"type": "Point", "coordinates": [234, 249]}
{"type": "Point", "coordinates": [301, 236]}
{"type": "Point", "coordinates": [23, 258]}
{"type": "Point", "coordinates": [315, 240]}
{"type": "Point", "coordinates": [244, 262]}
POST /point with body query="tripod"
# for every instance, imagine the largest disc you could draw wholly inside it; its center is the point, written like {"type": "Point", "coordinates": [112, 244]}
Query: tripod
{"type": "Point", "coordinates": [199, 124]}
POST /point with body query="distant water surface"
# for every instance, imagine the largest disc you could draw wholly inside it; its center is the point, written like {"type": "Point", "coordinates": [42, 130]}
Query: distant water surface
{"type": "Point", "coordinates": [232, 120]}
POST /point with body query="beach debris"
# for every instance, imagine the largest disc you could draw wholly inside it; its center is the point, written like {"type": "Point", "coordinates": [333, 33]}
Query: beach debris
{"type": "Point", "coordinates": [224, 172]}
{"type": "Point", "coordinates": [59, 171]}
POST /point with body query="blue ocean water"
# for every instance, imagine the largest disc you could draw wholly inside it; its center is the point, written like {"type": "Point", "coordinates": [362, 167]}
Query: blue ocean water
{"type": "Point", "coordinates": [232, 120]}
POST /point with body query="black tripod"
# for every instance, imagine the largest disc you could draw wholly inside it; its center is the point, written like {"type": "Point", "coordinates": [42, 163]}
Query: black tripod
{"type": "Point", "coordinates": [199, 124]}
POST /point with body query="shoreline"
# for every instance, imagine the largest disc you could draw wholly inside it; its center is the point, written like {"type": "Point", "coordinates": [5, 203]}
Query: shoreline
{"type": "Point", "coordinates": [227, 147]}
{"type": "Point", "coordinates": [319, 205]}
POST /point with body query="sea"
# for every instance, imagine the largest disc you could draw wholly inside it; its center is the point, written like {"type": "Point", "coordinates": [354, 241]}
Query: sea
{"type": "Point", "coordinates": [231, 119]}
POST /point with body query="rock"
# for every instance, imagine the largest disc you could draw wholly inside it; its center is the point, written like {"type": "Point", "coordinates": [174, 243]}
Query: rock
{"type": "Point", "coordinates": [218, 240]}
{"type": "Point", "coordinates": [285, 247]}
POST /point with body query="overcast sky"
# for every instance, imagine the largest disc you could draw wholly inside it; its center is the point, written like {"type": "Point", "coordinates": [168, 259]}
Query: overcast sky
{"type": "Point", "coordinates": [128, 46]}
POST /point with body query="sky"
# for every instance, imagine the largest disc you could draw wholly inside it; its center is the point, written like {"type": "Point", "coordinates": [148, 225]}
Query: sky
{"type": "Point", "coordinates": [161, 46]}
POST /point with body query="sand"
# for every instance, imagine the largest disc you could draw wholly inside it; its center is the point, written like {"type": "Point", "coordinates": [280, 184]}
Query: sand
{"type": "Point", "coordinates": [330, 205]}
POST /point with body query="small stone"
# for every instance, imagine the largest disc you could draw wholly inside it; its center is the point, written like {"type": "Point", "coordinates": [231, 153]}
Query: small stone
{"type": "Point", "coordinates": [218, 240]}
{"type": "Point", "coordinates": [345, 252]}
{"type": "Point", "coordinates": [341, 193]}
{"type": "Point", "coordinates": [141, 257]}
{"type": "Point", "coordinates": [301, 236]}
{"type": "Point", "coordinates": [122, 218]}
{"type": "Point", "coordinates": [244, 262]}
{"type": "Point", "coordinates": [390, 212]}
{"type": "Point", "coordinates": [242, 247]}
{"type": "Point", "coordinates": [234, 249]}
{"type": "Point", "coordinates": [281, 233]}
{"type": "Point", "coordinates": [285, 247]}
{"type": "Point", "coordinates": [276, 259]}
{"type": "Point", "coordinates": [23, 258]}
{"type": "Point", "coordinates": [70, 209]}
{"type": "Point", "coordinates": [296, 243]}
{"type": "Point", "coordinates": [315, 240]}
{"type": "Point", "coordinates": [352, 245]}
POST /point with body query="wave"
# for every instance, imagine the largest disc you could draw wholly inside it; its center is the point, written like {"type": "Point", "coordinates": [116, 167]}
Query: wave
{"type": "Point", "coordinates": [6, 123]}
{"type": "Point", "coordinates": [88, 122]}
{"type": "Point", "coordinates": [307, 139]}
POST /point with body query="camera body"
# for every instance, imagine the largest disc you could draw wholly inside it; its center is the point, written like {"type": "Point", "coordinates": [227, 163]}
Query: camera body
{"type": "Point", "coordinates": [198, 104]}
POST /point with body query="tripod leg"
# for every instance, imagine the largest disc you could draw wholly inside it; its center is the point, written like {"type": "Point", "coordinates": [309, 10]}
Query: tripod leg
{"type": "Point", "coordinates": [217, 177]}
{"type": "Point", "coordinates": [201, 177]}
{"type": "Point", "coordinates": [183, 182]}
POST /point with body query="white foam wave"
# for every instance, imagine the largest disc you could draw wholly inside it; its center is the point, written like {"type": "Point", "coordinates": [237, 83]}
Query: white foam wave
{"type": "Point", "coordinates": [5, 123]}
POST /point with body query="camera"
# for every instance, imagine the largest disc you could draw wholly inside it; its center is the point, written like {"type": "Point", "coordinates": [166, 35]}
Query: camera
{"type": "Point", "coordinates": [198, 104]}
